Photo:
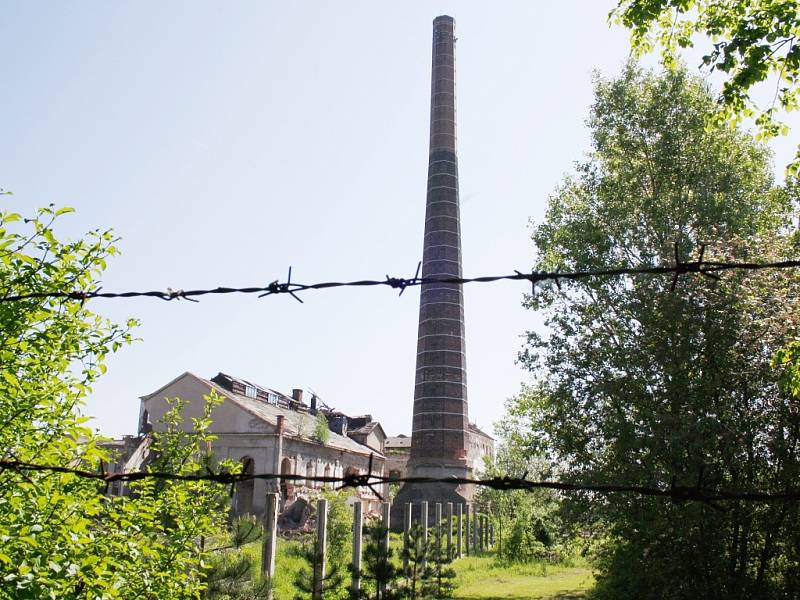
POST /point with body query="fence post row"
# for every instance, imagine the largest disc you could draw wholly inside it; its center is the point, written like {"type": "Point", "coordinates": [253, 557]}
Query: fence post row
{"type": "Point", "coordinates": [358, 529]}
{"type": "Point", "coordinates": [320, 549]}
{"type": "Point", "coordinates": [480, 533]}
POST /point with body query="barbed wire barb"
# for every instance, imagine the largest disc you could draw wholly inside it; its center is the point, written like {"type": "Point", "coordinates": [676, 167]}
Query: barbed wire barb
{"type": "Point", "coordinates": [399, 282]}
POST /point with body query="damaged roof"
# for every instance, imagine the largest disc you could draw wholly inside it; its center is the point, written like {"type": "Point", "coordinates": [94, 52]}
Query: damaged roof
{"type": "Point", "coordinates": [297, 424]}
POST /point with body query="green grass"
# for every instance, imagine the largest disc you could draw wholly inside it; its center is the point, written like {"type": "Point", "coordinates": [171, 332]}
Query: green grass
{"type": "Point", "coordinates": [287, 566]}
{"type": "Point", "coordinates": [482, 577]}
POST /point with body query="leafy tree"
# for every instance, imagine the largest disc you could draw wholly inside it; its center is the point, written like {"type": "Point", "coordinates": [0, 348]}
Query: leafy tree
{"type": "Point", "coordinates": [340, 532]}
{"type": "Point", "coordinates": [60, 536]}
{"type": "Point", "coordinates": [751, 41]}
{"type": "Point", "coordinates": [172, 516]}
{"type": "Point", "coordinates": [652, 381]}
{"type": "Point", "coordinates": [528, 525]}
{"type": "Point", "coordinates": [788, 361]}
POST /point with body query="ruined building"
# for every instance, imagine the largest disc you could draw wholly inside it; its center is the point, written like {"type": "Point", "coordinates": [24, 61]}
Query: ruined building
{"type": "Point", "coordinates": [267, 432]}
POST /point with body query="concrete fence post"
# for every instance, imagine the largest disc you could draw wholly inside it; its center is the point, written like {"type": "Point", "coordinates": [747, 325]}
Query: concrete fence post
{"type": "Point", "coordinates": [449, 520]}
{"type": "Point", "coordinates": [475, 527]}
{"type": "Point", "coordinates": [406, 529]}
{"type": "Point", "coordinates": [358, 529]}
{"type": "Point", "coordinates": [467, 538]}
{"type": "Point", "coordinates": [424, 521]}
{"type": "Point", "coordinates": [479, 532]}
{"type": "Point", "coordinates": [438, 519]}
{"type": "Point", "coordinates": [318, 584]}
{"type": "Point", "coordinates": [486, 532]}
{"type": "Point", "coordinates": [460, 517]}
{"type": "Point", "coordinates": [270, 535]}
{"type": "Point", "coordinates": [386, 511]}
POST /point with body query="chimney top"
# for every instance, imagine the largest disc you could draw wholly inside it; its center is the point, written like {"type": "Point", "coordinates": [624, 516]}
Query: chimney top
{"type": "Point", "coordinates": [297, 394]}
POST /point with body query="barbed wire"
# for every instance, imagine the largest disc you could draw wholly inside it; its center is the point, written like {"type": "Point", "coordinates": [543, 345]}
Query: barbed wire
{"type": "Point", "coordinates": [679, 268]}
{"type": "Point", "coordinates": [676, 493]}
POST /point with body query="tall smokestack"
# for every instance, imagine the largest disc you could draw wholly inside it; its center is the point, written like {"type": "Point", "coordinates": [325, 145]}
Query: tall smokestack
{"type": "Point", "coordinates": [440, 423]}
{"type": "Point", "coordinates": [438, 441]}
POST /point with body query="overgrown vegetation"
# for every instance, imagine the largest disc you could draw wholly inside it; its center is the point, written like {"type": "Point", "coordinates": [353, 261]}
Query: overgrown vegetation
{"type": "Point", "coordinates": [60, 536]}
{"type": "Point", "coordinates": [322, 432]}
{"type": "Point", "coordinates": [528, 526]}
{"type": "Point", "coordinates": [652, 382]}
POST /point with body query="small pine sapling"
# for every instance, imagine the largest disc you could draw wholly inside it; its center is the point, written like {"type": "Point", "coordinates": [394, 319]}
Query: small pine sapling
{"type": "Point", "coordinates": [417, 554]}
{"type": "Point", "coordinates": [229, 573]}
{"type": "Point", "coordinates": [440, 581]}
{"type": "Point", "coordinates": [379, 572]}
{"type": "Point", "coordinates": [332, 582]}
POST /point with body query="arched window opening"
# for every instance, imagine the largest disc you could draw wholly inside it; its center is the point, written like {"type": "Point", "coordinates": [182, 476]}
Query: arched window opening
{"type": "Point", "coordinates": [286, 469]}
{"type": "Point", "coordinates": [243, 501]}
{"type": "Point", "coordinates": [309, 473]}
{"type": "Point", "coordinates": [327, 473]}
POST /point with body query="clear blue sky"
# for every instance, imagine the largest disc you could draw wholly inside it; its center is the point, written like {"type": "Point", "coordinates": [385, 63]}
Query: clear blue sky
{"type": "Point", "coordinates": [227, 141]}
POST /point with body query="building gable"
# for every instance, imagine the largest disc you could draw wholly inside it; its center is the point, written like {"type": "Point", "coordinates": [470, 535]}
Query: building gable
{"type": "Point", "coordinates": [228, 417]}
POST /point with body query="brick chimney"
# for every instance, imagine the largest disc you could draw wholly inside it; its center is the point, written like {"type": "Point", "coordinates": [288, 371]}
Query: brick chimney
{"type": "Point", "coordinates": [439, 426]}
{"type": "Point", "coordinates": [439, 432]}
